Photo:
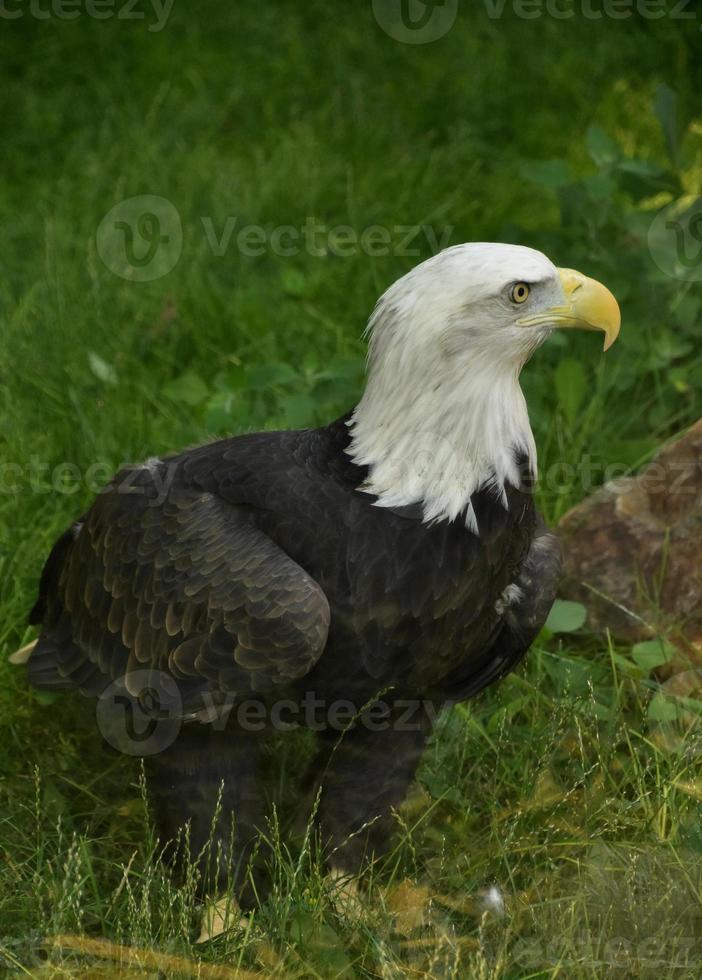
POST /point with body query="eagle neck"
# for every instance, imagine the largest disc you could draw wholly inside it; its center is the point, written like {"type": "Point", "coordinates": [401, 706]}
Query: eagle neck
{"type": "Point", "coordinates": [439, 445]}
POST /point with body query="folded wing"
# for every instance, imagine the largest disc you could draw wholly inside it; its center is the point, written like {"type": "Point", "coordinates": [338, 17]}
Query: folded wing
{"type": "Point", "coordinates": [189, 586]}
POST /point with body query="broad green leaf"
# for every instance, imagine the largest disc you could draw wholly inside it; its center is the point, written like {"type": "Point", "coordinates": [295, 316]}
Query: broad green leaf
{"type": "Point", "coordinates": [661, 708]}
{"type": "Point", "coordinates": [299, 410]}
{"type": "Point", "coordinates": [628, 666]}
{"type": "Point", "coordinates": [667, 347]}
{"type": "Point", "coordinates": [548, 173]}
{"type": "Point", "coordinates": [265, 375]}
{"type": "Point", "coordinates": [320, 946]}
{"type": "Point", "coordinates": [652, 653]}
{"type": "Point", "coordinates": [645, 169]}
{"type": "Point", "coordinates": [341, 367]}
{"type": "Point", "coordinates": [602, 148]}
{"type": "Point", "coordinates": [600, 186]}
{"type": "Point", "coordinates": [189, 389]}
{"type": "Point", "coordinates": [602, 711]}
{"type": "Point", "coordinates": [566, 616]}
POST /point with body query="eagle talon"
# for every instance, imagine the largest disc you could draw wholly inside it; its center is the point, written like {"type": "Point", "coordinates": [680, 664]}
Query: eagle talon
{"type": "Point", "coordinates": [219, 916]}
{"type": "Point", "coordinates": [22, 656]}
{"type": "Point", "coordinates": [346, 893]}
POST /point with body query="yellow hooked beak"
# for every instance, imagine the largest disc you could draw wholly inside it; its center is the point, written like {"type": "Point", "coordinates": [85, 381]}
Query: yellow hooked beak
{"type": "Point", "coordinates": [589, 306]}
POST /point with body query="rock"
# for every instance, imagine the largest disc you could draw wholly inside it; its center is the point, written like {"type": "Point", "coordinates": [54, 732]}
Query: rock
{"type": "Point", "coordinates": [637, 542]}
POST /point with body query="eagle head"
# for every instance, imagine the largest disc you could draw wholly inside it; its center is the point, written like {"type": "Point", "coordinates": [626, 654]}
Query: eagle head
{"type": "Point", "coordinates": [443, 415]}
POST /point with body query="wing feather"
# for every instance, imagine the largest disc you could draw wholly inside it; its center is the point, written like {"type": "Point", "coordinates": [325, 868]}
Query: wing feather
{"type": "Point", "coordinates": [189, 585]}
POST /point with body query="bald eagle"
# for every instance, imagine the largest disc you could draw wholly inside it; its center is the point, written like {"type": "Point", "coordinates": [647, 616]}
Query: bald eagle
{"type": "Point", "coordinates": [352, 579]}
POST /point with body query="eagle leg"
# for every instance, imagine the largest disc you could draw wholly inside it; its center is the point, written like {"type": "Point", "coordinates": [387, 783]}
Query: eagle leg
{"type": "Point", "coordinates": [366, 778]}
{"type": "Point", "coordinates": [209, 807]}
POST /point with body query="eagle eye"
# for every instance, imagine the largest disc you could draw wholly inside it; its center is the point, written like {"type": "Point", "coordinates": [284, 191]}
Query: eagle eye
{"type": "Point", "coordinates": [520, 292]}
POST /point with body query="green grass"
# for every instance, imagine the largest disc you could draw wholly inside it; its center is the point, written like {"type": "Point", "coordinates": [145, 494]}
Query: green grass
{"type": "Point", "coordinates": [558, 787]}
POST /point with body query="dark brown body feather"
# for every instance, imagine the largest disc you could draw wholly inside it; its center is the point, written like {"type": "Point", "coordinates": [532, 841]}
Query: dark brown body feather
{"type": "Point", "coordinates": [263, 573]}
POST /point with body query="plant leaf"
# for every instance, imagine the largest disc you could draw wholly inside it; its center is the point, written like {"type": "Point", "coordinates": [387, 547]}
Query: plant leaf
{"type": "Point", "coordinates": [661, 708]}
{"type": "Point", "coordinates": [277, 373]}
{"type": "Point", "coordinates": [299, 410]}
{"type": "Point", "coordinates": [652, 653]}
{"type": "Point", "coordinates": [602, 148]}
{"type": "Point", "coordinates": [189, 389]}
{"type": "Point", "coordinates": [566, 616]}
{"type": "Point", "coordinates": [548, 173]}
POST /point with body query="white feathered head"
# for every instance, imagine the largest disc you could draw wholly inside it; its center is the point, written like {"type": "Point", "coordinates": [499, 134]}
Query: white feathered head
{"type": "Point", "coordinates": [443, 414]}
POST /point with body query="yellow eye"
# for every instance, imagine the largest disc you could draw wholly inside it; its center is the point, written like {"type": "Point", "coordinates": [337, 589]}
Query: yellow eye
{"type": "Point", "coordinates": [520, 293]}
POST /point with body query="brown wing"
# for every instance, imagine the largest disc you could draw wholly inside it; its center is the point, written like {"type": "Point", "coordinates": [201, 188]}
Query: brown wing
{"type": "Point", "coordinates": [188, 586]}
